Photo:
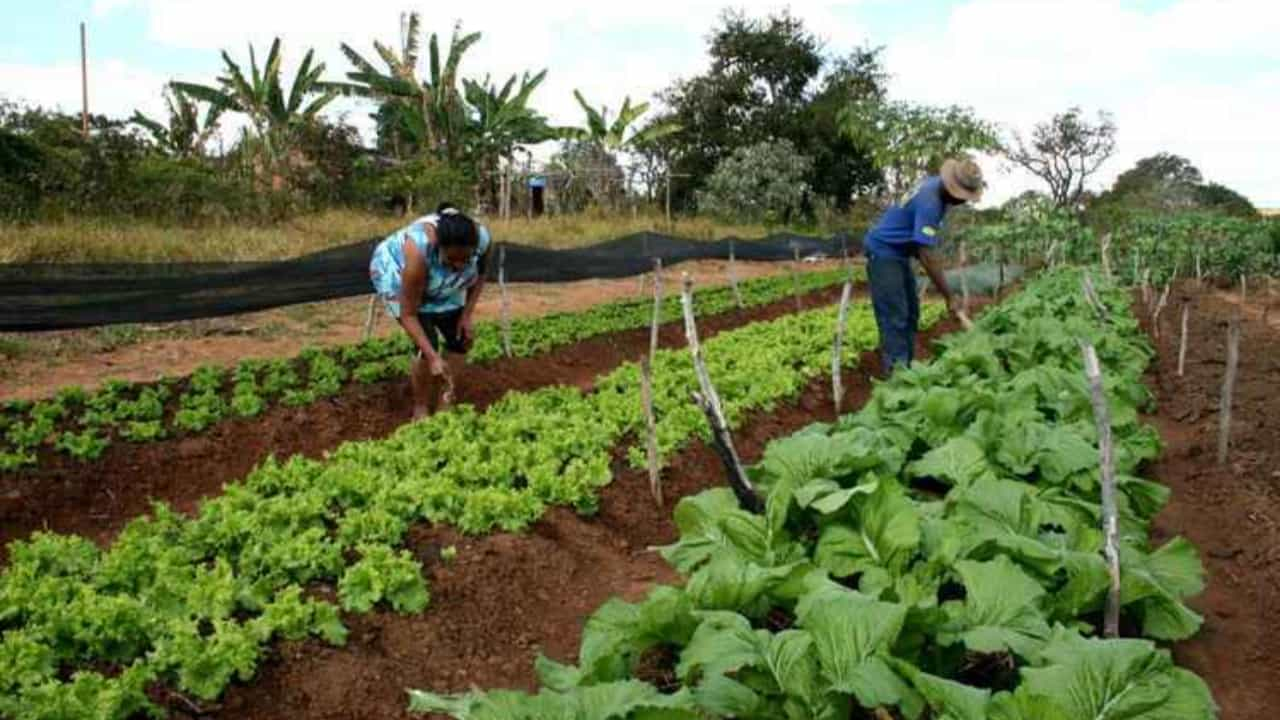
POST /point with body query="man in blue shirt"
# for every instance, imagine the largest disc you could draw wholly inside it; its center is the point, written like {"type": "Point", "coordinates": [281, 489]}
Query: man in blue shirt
{"type": "Point", "coordinates": [907, 231]}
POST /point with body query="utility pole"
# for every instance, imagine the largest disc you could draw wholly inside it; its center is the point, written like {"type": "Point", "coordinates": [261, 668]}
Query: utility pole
{"type": "Point", "coordinates": [84, 85]}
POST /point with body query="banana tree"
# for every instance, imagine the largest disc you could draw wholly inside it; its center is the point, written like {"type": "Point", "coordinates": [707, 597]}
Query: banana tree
{"type": "Point", "coordinates": [184, 134]}
{"type": "Point", "coordinates": [273, 112]}
{"type": "Point", "coordinates": [613, 136]}
{"type": "Point", "coordinates": [606, 137]}
{"type": "Point", "coordinates": [500, 120]}
{"type": "Point", "coordinates": [427, 113]}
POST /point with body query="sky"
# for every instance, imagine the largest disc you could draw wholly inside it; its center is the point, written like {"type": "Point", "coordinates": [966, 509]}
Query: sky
{"type": "Point", "coordinates": [1199, 78]}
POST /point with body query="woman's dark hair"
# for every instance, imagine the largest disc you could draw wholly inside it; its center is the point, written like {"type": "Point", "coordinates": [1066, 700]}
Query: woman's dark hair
{"type": "Point", "coordinates": [453, 229]}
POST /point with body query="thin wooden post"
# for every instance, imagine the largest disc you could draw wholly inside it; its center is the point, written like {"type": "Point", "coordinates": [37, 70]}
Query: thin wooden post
{"type": "Point", "coordinates": [1110, 523]}
{"type": "Point", "coordinates": [1104, 247]}
{"type": "Point", "coordinates": [1182, 344]}
{"type": "Point", "coordinates": [371, 317]}
{"type": "Point", "coordinates": [837, 352]}
{"type": "Point", "coordinates": [506, 304]}
{"type": "Point", "coordinates": [668, 197]}
{"type": "Point", "coordinates": [657, 308]}
{"type": "Point", "coordinates": [964, 277]}
{"type": "Point", "coordinates": [1091, 296]}
{"type": "Point", "coordinates": [651, 428]}
{"type": "Point", "coordinates": [795, 276]}
{"type": "Point", "coordinates": [84, 83]}
{"type": "Point", "coordinates": [1155, 315]}
{"type": "Point", "coordinates": [1228, 389]}
{"type": "Point", "coordinates": [733, 276]}
{"type": "Point", "coordinates": [709, 401]}
{"type": "Point", "coordinates": [1244, 289]}
{"type": "Point", "coordinates": [1199, 271]}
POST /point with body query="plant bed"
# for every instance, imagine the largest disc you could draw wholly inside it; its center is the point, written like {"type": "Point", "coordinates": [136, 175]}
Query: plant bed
{"type": "Point", "coordinates": [96, 499]}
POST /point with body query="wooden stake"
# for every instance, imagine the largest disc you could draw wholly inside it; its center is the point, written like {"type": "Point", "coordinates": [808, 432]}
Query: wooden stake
{"type": "Point", "coordinates": [1155, 315]}
{"type": "Point", "coordinates": [657, 308]}
{"type": "Point", "coordinates": [837, 384]}
{"type": "Point", "coordinates": [964, 277]}
{"type": "Point", "coordinates": [506, 305]}
{"type": "Point", "coordinates": [709, 401]}
{"type": "Point", "coordinates": [1110, 523]}
{"type": "Point", "coordinates": [1244, 289]}
{"type": "Point", "coordinates": [1104, 248]}
{"type": "Point", "coordinates": [1182, 344]}
{"type": "Point", "coordinates": [1091, 296]}
{"type": "Point", "coordinates": [651, 425]}
{"type": "Point", "coordinates": [1199, 272]}
{"type": "Point", "coordinates": [795, 277]}
{"type": "Point", "coordinates": [733, 276]}
{"type": "Point", "coordinates": [1228, 388]}
{"type": "Point", "coordinates": [371, 317]}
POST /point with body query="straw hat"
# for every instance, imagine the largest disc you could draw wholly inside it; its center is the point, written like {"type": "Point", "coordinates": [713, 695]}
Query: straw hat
{"type": "Point", "coordinates": [963, 179]}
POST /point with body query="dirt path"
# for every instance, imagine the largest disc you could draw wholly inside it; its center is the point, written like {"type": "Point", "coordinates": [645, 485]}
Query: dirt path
{"type": "Point", "coordinates": [97, 499]}
{"type": "Point", "coordinates": [44, 362]}
{"type": "Point", "coordinates": [508, 597]}
{"type": "Point", "coordinates": [1231, 512]}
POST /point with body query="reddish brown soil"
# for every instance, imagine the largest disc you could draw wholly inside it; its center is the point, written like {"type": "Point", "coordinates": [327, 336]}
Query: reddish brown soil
{"type": "Point", "coordinates": [508, 597]}
{"type": "Point", "coordinates": [97, 499]}
{"type": "Point", "coordinates": [1231, 512]}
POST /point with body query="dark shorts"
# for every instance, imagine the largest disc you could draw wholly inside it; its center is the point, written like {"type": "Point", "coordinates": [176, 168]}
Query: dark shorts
{"type": "Point", "coordinates": [446, 325]}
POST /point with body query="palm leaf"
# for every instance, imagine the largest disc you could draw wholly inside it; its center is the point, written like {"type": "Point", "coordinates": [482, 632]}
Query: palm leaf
{"type": "Point", "coordinates": [303, 81]}
{"type": "Point", "coordinates": [413, 41]}
{"type": "Point", "coordinates": [357, 60]}
{"type": "Point", "coordinates": [595, 120]}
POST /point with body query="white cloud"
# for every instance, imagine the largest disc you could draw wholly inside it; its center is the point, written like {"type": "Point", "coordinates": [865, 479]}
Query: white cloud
{"type": "Point", "coordinates": [1019, 62]}
{"type": "Point", "coordinates": [116, 88]}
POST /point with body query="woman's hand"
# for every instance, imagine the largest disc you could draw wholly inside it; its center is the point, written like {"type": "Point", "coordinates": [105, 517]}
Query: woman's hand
{"type": "Point", "coordinates": [466, 331]}
{"type": "Point", "coordinates": [435, 363]}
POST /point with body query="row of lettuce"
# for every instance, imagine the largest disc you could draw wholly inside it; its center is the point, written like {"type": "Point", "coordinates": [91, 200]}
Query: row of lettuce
{"type": "Point", "coordinates": [935, 555]}
{"type": "Point", "coordinates": [192, 602]}
{"type": "Point", "coordinates": [83, 424]}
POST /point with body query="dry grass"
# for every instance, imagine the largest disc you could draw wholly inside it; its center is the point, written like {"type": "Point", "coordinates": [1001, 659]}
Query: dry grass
{"type": "Point", "coordinates": [94, 240]}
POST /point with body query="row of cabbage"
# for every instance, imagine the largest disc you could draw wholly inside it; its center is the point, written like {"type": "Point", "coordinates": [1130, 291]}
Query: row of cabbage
{"type": "Point", "coordinates": [935, 555]}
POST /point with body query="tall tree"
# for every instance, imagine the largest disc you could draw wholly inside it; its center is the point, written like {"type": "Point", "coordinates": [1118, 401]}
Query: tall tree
{"type": "Point", "coordinates": [1065, 152]}
{"type": "Point", "coordinates": [619, 134]}
{"type": "Point", "coordinates": [908, 141]}
{"type": "Point", "coordinates": [274, 112]}
{"type": "Point", "coordinates": [770, 79]}
{"type": "Point", "coordinates": [422, 115]}
{"type": "Point", "coordinates": [842, 166]}
{"type": "Point", "coordinates": [500, 121]}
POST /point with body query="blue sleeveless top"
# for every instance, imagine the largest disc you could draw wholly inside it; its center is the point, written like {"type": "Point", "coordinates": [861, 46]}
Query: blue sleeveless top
{"type": "Point", "coordinates": [445, 289]}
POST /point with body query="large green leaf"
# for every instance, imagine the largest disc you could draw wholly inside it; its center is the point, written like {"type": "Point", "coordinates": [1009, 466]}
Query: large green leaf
{"type": "Point", "coordinates": [853, 635]}
{"type": "Point", "coordinates": [960, 461]}
{"type": "Point", "coordinates": [1094, 679]}
{"type": "Point", "coordinates": [1001, 610]}
{"type": "Point", "coordinates": [947, 699]}
{"type": "Point", "coordinates": [883, 532]}
{"type": "Point", "coordinates": [619, 631]}
{"type": "Point", "coordinates": [1156, 585]}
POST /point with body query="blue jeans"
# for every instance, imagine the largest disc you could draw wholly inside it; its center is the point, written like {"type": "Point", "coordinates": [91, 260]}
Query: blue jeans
{"type": "Point", "coordinates": [897, 308]}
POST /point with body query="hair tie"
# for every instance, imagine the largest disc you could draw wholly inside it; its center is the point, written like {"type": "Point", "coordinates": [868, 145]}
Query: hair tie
{"type": "Point", "coordinates": [449, 211]}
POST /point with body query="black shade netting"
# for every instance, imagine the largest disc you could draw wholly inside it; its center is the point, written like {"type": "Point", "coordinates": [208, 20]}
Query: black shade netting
{"type": "Point", "coordinates": [63, 296]}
